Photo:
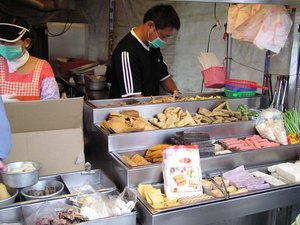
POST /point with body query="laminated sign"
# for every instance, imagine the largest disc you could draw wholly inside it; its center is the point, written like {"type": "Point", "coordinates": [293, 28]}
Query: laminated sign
{"type": "Point", "coordinates": [182, 171]}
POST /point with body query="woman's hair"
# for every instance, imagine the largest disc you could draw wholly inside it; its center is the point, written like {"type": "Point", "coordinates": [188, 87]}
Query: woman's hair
{"type": "Point", "coordinates": [163, 16]}
{"type": "Point", "coordinates": [17, 21]}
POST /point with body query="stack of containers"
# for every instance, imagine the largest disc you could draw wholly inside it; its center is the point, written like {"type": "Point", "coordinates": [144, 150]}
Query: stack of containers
{"type": "Point", "coordinates": [235, 88]}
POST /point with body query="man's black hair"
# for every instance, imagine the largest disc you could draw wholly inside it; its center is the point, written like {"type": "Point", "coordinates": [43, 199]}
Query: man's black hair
{"type": "Point", "coordinates": [163, 16]}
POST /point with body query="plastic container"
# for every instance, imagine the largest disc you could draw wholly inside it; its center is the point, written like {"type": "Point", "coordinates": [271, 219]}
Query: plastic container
{"type": "Point", "coordinates": [235, 88]}
{"type": "Point", "coordinates": [244, 84]}
{"type": "Point", "coordinates": [214, 77]}
{"type": "Point", "coordinates": [238, 94]}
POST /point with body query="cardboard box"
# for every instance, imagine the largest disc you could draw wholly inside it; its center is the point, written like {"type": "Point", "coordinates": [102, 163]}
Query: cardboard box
{"type": "Point", "coordinates": [49, 132]}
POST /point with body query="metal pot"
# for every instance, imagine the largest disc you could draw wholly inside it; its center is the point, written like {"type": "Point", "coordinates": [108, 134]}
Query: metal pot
{"type": "Point", "coordinates": [41, 185]}
{"type": "Point", "coordinates": [95, 82]}
{"type": "Point", "coordinates": [14, 193]}
{"type": "Point", "coordinates": [21, 179]}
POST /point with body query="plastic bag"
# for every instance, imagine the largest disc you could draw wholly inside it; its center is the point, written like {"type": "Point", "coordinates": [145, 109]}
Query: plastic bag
{"type": "Point", "coordinates": [239, 14]}
{"type": "Point", "coordinates": [93, 206]}
{"type": "Point", "coordinates": [248, 30]}
{"type": "Point", "coordinates": [57, 213]}
{"type": "Point", "coordinates": [124, 202]}
{"type": "Point", "coordinates": [274, 29]}
{"type": "Point", "coordinates": [268, 28]}
{"type": "Point", "coordinates": [182, 171]}
{"type": "Point", "coordinates": [43, 215]}
{"type": "Point", "coordinates": [270, 125]}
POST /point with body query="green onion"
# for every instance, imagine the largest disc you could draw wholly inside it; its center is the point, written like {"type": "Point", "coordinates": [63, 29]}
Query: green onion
{"type": "Point", "coordinates": [291, 120]}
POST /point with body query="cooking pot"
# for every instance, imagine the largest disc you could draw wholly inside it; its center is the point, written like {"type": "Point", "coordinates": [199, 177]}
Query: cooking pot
{"type": "Point", "coordinates": [95, 82]}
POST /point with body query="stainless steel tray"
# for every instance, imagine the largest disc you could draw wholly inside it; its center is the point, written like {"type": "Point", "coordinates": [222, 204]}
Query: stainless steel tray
{"type": "Point", "coordinates": [146, 100]}
{"type": "Point", "coordinates": [19, 213]}
{"type": "Point", "coordinates": [132, 176]}
{"type": "Point", "coordinates": [95, 178]}
{"type": "Point", "coordinates": [11, 215]}
{"type": "Point", "coordinates": [20, 200]}
{"type": "Point", "coordinates": [236, 205]}
{"type": "Point", "coordinates": [112, 102]}
{"type": "Point", "coordinates": [125, 175]}
{"type": "Point", "coordinates": [144, 139]}
{"type": "Point", "coordinates": [149, 111]}
{"type": "Point", "coordinates": [130, 154]}
{"type": "Point", "coordinates": [179, 207]}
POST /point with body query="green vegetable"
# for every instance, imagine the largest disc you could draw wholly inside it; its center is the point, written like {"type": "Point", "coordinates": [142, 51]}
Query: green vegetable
{"type": "Point", "coordinates": [243, 109]}
{"type": "Point", "coordinates": [291, 120]}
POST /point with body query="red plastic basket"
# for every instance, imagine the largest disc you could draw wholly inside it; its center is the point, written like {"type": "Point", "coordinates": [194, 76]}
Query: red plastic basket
{"type": "Point", "coordinates": [214, 77]}
{"type": "Point", "coordinates": [244, 84]}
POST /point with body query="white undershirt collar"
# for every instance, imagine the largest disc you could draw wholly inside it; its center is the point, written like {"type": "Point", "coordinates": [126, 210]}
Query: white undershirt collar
{"type": "Point", "coordinates": [142, 43]}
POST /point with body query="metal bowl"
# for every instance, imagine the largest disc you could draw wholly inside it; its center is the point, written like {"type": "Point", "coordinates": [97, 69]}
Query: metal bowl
{"type": "Point", "coordinates": [21, 179]}
{"type": "Point", "coordinates": [14, 193]}
{"type": "Point", "coordinates": [41, 185]}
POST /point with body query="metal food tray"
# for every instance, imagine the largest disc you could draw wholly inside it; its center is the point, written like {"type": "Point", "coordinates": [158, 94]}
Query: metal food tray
{"type": "Point", "coordinates": [171, 208]}
{"type": "Point", "coordinates": [133, 176]}
{"type": "Point", "coordinates": [146, 100]}
{"type": "Point", "coordinates": [125, 175]}
{"type": "Point", "coordinates": [95, 178]}
{"type": "Point", "coordinates": [113, 102]}
{"type": "Point", "coordinates": [242, 204]}
{"type": "Point", "coordinates": [144, 139]}
{"type": "Point", "coordinates": [149, 111]}
{"type": "Point", "coordinates": [130, 154]}
{"type": "Point", "coordinates": [263, 169]}
{"type": "Point", "coordinates": [19, 213]}
{"type": "Point", "coordinates": [20, 200]}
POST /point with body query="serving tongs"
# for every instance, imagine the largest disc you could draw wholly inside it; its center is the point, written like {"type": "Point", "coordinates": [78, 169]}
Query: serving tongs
{"type": "Point", "coordinates": [222, 189]}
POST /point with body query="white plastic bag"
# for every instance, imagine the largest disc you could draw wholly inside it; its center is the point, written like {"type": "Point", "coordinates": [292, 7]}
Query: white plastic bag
{"type": "Point", "coordinates": [274, 29]}
{"type": "Point", "coordinates": [270, 125]}
{"type": "Point", "coordinates": [268, 27]}
{"type": "Point", "coordinates": [124, 202]}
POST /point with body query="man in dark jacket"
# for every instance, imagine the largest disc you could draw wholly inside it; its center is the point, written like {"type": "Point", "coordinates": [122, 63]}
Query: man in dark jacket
{"type": "Point", "coordinates": [138, 68]}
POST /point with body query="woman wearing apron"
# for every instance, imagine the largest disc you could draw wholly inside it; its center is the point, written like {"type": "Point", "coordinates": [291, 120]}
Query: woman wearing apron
{"type": "Point", "coordinates": [22, 75]}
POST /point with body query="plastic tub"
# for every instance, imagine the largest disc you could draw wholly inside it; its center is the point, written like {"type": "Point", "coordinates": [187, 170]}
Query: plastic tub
{"type": "Point", "coordinates": [236, 88]}
{"type": "Point", "coordinates": [238, 94]}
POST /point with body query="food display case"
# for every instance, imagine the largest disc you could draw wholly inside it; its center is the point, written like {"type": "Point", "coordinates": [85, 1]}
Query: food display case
{"type": "Point", "coordinates": [242, 204]}
{"type": "Point", "coordinates": [109, 148]}
{"type": "Point", "coordinates": [104, 146]}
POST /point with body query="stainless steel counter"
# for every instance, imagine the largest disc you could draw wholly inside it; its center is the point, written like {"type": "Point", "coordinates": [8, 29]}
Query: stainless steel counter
{"type": "Point", "coordinates": [106, 148]}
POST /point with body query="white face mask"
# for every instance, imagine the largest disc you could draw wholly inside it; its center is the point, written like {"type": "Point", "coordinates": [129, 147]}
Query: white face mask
{"type": "Point", "coordinates": [15, 64]}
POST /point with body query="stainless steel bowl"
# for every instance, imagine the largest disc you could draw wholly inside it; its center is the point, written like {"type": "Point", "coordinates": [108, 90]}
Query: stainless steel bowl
{"type": "Point", "coordinates": [14, 193]}
{"type": "Point", "coordinates": [41, 185]}
{"type": "Point", "coordinates": [21, 179]}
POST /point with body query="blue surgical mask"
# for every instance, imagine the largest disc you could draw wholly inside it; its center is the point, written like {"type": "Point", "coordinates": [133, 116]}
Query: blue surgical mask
{"type": "Point", "coordinates": [157, 42]}
{"type": "Point", "coordinates": [11, 52]}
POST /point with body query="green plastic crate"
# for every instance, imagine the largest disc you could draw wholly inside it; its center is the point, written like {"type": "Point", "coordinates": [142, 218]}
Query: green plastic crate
{"type": "Point", "coordinates": [238, 94]}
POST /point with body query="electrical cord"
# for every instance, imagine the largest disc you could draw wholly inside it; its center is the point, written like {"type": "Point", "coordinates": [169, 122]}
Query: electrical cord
{"type": "Point", "coordinates": [208, 42]}
{"type": "Point", "coordinates": [65, 29]}
{"type": "Point", "coordinates": [259, 70]}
